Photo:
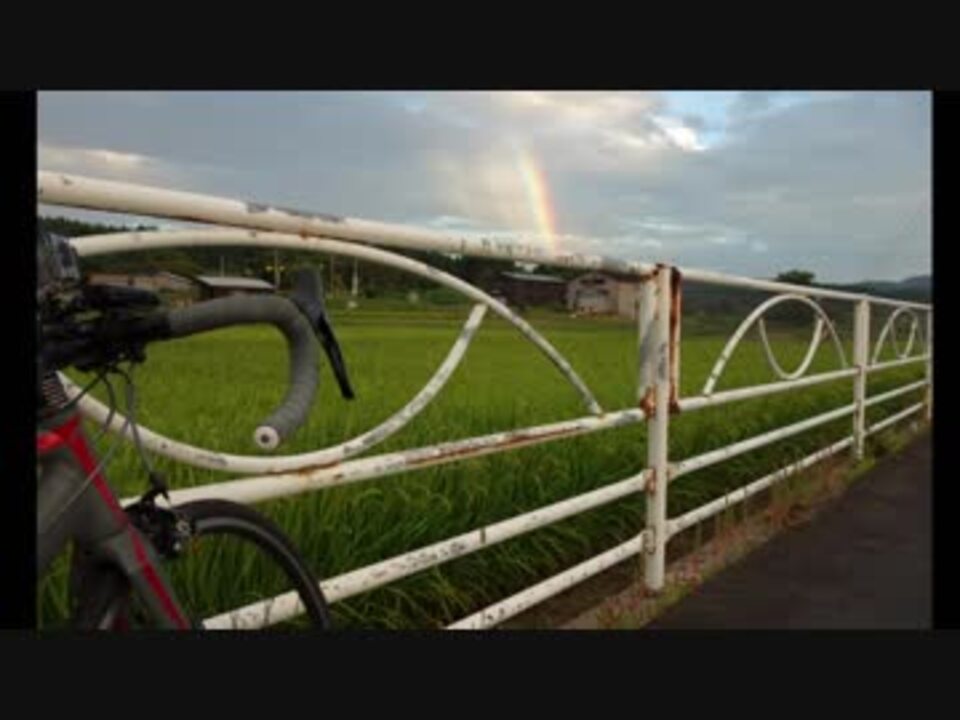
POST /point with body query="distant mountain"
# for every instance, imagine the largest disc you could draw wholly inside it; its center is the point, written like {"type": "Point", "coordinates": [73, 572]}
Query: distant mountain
{"type": "Point", "coordinates": [919, 281]}
{"type": "Point", "coordinates": [715, 307]}
{"type": "Point", "coordinates": [918, 287]}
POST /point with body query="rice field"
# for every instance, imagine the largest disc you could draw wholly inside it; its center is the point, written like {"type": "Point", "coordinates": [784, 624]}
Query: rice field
{"type": "Point", "coordinates": [213, 390]}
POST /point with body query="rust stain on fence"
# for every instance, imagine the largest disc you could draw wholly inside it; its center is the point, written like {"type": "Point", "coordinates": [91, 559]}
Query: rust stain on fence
{"type": "Point", "coordinates": [676, 295]}
{"type": "Point", "coordinates": [254, 208]}
{"type": "Point", "coordinates": [511, 440]}
{"type": "Point", "coordinates": [648, 403]}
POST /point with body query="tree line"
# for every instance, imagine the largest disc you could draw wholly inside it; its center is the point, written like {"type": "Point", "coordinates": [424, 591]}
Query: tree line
{"type": "Point", "coordinates": [337, 272]}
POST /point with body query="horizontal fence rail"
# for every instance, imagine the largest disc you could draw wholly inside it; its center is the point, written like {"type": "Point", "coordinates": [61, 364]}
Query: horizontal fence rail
{"type": "Point", "coordinates": [288, 606]}
{"type": "Point", "coordinates": [732, 498]}
{"type": "Point", "coordinates": [659, 322]}
{"type": "Point", "coordinates": [757, 441]}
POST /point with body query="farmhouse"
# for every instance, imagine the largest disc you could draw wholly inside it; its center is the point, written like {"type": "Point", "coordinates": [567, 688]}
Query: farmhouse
{"type": "Point", "coordinates": [214, 286]}
{"type": "Point", "coordinates": [604, 293]}
{"type": "Point", "coordinates": [525, 289]}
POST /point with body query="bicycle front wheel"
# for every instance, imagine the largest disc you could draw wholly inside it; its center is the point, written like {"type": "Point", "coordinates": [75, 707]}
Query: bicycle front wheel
{"type": "Point", "coordinates": [237, 570]}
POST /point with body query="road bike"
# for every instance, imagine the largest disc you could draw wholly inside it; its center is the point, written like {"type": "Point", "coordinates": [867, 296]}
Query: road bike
{"type": "Point", "coordinates": [123, 569]}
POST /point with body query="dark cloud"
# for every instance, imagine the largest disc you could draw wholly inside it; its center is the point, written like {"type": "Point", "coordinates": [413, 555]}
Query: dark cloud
{"type": "Point", "coordinates": [748, 104]}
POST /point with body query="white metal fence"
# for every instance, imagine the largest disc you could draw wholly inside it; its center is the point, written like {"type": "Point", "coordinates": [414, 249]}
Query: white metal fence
{"type": "Point", "coordinates": [241, 223]}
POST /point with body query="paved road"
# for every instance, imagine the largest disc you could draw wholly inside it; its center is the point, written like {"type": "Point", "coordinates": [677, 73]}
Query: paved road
{"type": "Point", "coordinates": [863, 563]}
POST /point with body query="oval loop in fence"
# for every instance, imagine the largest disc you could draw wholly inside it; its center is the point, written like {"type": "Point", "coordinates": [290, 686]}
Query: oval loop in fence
{"type": "Point", "coordinates": [250, 464]}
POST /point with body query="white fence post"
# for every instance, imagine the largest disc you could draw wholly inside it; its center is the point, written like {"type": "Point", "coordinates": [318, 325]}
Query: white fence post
{"type": "Point", "coordinates": [657, 434]}
{"type": "Point", "coordinates": [861, 358]}
{"type": "Point", "coordinates": [928, 413]}
{"type": "Point", "coordinates": [646, 338]}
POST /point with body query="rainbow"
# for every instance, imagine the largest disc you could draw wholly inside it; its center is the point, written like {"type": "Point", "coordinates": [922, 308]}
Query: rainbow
{"type": "Point", "coordinates": [538, 194]}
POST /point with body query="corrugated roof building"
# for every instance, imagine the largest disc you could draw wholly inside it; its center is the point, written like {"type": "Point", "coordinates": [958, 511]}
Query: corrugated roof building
{"type": "Point", "coordinates": [524, 289]}
{"type": "Point", "coordinates": [212, 286]}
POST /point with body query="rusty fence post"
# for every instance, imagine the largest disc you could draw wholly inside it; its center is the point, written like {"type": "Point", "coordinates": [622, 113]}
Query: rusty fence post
{"type": "Point", "coordinates": [861, 360]}
{"type": "Point", "coordinates": [658, 368]}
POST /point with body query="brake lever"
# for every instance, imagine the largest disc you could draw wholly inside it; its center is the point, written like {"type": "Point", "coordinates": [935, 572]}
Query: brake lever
{"type": "Point", "coordinates": [308, 297]}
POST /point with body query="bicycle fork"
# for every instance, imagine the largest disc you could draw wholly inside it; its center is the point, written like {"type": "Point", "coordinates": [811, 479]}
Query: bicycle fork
{"type": "Point", "coordinates": [75, 502]}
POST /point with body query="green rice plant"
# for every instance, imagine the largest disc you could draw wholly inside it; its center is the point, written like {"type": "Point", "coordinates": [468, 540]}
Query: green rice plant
{"type": "Point", "coordinates": [212, 391]}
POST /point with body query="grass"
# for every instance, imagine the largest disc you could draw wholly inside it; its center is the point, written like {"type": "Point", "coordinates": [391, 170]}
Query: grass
{"type": "Point", "coordinates": [213, 390]}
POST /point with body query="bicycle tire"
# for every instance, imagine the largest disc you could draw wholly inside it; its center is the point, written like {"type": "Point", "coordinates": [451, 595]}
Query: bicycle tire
{"type": "Point", "coordinates": [102, 594]}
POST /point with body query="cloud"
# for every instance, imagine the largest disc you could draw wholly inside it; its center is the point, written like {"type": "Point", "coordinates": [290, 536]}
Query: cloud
{"type": "Point", "coordinates": [749, 183]}
{"type": "Point", "coordinates": [451, 221]}
{"type": "Point", "coordinates": [96, 161]}
{"type": "Point", "coordinates": [683, 136]}
{"type": "Point", "coordinates": [724, 240]}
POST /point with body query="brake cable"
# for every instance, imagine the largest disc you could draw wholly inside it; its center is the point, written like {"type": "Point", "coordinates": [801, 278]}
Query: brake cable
{"type": "Point", "coordinates": [157, 481]}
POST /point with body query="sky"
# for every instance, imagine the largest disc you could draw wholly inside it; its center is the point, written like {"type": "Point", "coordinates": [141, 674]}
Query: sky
{"type": "Point", "coordinates": [750, 183]}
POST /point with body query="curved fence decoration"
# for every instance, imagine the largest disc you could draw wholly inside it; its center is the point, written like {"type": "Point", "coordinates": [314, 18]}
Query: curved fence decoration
{"type": "Point", "coordinates": [200, 457]}
{"type": "Point", "coordinates": [213, 460]}
{"type": "Point", "coordinates": [890, 328]}
{"type": "Point", "coordinates": [659, 321]}
{"type": "Point", "coordinates": [756, 317]}
{"type": "Point", "coordinates": [100, 244]}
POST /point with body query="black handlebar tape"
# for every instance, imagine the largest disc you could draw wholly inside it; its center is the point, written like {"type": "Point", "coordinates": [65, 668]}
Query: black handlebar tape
{"type": "Point", "coordinates": [304, 356]}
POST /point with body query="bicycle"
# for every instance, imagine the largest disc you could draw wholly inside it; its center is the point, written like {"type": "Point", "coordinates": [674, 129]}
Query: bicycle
{"type": "Point", "coordinates": [121, 555]}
